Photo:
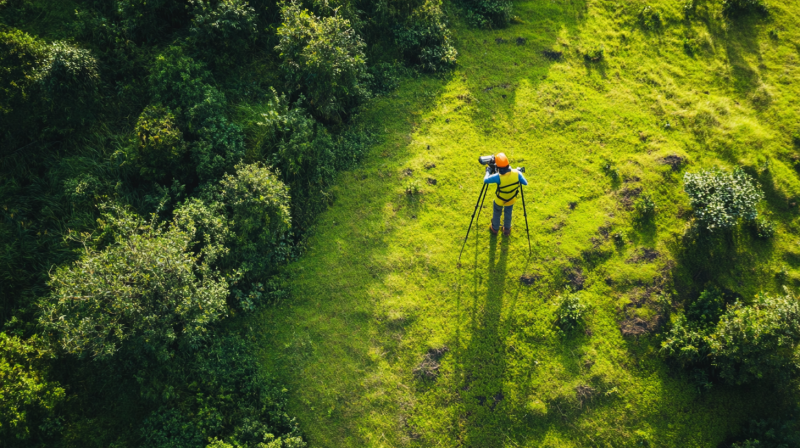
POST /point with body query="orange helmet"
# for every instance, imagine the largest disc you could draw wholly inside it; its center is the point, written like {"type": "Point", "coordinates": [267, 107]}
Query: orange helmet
{"type": "Point", "coordinates": [501, 160]}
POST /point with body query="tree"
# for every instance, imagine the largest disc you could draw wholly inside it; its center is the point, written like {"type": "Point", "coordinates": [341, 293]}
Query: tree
{"type": "Point", "coordinates": [26, 396]}
{"type": "Point", "coordinates": [146, 289]}
{"type": "Point", "coordinates": [324, 59]}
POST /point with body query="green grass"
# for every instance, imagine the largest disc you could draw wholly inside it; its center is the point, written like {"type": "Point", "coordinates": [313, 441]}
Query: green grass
{"type": "Point", "coordinates": [380, 284]}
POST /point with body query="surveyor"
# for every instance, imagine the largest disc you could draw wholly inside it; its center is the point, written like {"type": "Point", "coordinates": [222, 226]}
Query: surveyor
{"type": "Point", "coordinates": [508, 184]}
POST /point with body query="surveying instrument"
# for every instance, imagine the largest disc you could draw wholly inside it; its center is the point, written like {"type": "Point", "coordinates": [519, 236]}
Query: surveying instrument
{"type": "Point", "coordinates": [489, 160]}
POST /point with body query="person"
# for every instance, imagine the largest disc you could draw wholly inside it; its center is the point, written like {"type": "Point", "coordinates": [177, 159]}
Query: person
{"type": "Point", "coordinates": [508, 183]}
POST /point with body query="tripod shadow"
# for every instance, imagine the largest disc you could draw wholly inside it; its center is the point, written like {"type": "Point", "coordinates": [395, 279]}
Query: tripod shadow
{"type": "Point", "coordinates": [483, 359]}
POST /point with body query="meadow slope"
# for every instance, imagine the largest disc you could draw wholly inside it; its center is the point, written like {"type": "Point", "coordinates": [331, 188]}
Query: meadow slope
{"type": "Point", "coordinates": [381, 288]}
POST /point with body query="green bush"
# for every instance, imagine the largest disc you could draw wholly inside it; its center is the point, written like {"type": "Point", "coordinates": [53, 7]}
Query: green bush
{"type": "Point", "coordinates": [740, 7]}
{"type": "Point", "coordinates": [425, 39]}
{"type": "Point", "coordinates": [489, 13]}
{"type": "Point", "coordinates": [650, 18]}
{"type": "Point", "coordinates": [748, 343]}
{"type": "Point", "coordinates": [770, 434]}
{"type": "Point", "coordinates": [223, 29]}
{"type": "Point", "coordinates": [159, 147]}
{"type": "Point", "coordinates": [151, 20]}
{"type": "Point", "coordinates": [20, 58]}
{"type": "Point", "coordinates": [257, 204]}
{"type": "Point", "coordinates": [384, 77]}
{"type": "Point", "coordinates": [69, 82]}
{"type": "Point", "coordinates": [645, 207]}
{"type": "Point", "coordinates": [146, 288]}
{"type": "Point", "coordinates": [763, 228]}
{"type": "Point", "coordinates": [323, 58]}
{"type": "Point", "coordinates": [720, 199]}
{"type": "Point", "coordinates": [570, 312]}
{"type": "Point", "coordinates": [706, 311]}
{"type": "Point", "coordinates": [226, 397]}
{"type": "Point", "coordinates": [215, 144]}
{"type": "Point", "coordinates": [168, 428]}
{"type": "Point", "coordinates": [27, 398]}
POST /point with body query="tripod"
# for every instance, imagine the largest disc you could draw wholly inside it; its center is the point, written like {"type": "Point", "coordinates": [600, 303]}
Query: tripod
{"type": "Point", "coordinates": [481, 200]}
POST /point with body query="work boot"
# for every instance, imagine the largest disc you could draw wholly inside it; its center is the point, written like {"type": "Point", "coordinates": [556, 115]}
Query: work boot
{"type": "Point", "coordinates": [491, 229]}
{"type": "Point", "coordinates": [506, 232]}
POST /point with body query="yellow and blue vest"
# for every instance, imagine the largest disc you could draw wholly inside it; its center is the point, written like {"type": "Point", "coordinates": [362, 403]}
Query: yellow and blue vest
{"type": "Point", "coordinates": [507, 186]}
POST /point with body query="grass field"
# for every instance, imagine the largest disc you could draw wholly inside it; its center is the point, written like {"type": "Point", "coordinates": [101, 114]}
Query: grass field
{"type": "Point", "coordinates": [381, 288]}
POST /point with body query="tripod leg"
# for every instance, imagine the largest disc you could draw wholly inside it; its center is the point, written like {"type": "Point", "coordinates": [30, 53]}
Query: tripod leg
{"type": "Point", "coordinates": [525, 212]}
{"type": "Point", "coordinates": [481, 195]}
{"type": "Point", "coordinates": [483, 201]}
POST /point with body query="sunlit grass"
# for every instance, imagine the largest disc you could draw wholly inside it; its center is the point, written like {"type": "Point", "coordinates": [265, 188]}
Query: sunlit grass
{"type": "Point", "coordinates": [380, 285]}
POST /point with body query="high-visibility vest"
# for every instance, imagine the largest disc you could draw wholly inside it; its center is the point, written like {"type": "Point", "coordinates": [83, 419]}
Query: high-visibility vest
{"type": "Point", "coordinates": [507, 191]}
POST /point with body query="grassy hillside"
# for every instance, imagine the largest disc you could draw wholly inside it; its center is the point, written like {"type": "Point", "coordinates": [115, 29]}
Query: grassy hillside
{"type": "Point", "coordinates": [380, 289]}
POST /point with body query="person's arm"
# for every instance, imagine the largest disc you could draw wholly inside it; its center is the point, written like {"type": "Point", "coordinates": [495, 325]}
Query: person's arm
{"type": "Point", "coordinates": [522, 179]}
{"type": "Point", "coordinates": [491, 178]}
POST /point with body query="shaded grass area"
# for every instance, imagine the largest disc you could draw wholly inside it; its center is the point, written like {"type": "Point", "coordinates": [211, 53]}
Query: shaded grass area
{"type": "Point", "coordinates": [380, 286]}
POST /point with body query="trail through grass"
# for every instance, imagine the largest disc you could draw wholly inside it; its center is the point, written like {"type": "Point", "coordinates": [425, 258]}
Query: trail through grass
{"type": "Point", "coordinates": [380, 285]}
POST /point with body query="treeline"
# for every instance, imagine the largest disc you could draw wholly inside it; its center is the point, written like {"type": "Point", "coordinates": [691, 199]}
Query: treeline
{"type": "Point", "coordinates": [162, 162]}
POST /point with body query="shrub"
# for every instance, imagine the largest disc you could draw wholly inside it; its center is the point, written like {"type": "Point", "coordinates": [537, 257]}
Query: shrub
{"type": "Point", "coordinates": [223, 28]}
{"type": "Point", "coordinates": [594, 55]}
{"type": "Point", "coordinates": [720, 199]}
{"type": "Point", "coordinates": [748, 343]}
{"type": "Point", "coordinates": [650, 18]}
{"type": "Point", "coordinates": [489, 13]}
{"type": "Point", "coordinates": [257, 204]}
{"type": "Point", "coordinates": [227, 398]}
{"type": "Point", "coordinates": [733, 8]}
{"type": "Point", "coordinates": [754, 342]}
{"type": "Point", "coordinates": [706, 311]}
{"type": "Point", "coordinates": [151, 20]}
{"type": "Point", "coordinates": [159, 147]}
{"type": "Point", "coordinates": [27, 398]}
{"type": "Point", "coordinates": [69, 81]}
{"type": "Point", "coordinates": [324, 59]}
{"type": "Point", "coordinates": [169, 428]}
{"type": "Point", "coordinates": [146, 289]}
{"type": "Point", "coordinates": [384, 77]}
{"type": "Point", "coordinates": [20, 57]}
{"type": "Point", "coordinates": [645, 207]}
{"type": "Point", "coordinates": [425, 39]}
{"type": "Point", "coordinates": [571, 310]}
{"type": "Point", "coordinates": [763, 228]}
{"type": "Point", "coordinates": [180, 83]}
{"type": "Point", "coordinates": [770, 434]}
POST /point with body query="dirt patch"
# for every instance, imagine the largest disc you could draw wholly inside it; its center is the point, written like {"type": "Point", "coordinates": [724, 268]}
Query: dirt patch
{"type": "Point", "coordinates": [572, 205]}
{"type": "Point", "coordinates": [521, 41]}
{"type": "Point", "coordinates": [634, 327]}
{"type": "Point", "coordinates": [558, 226]}
{"type": "Point", "coordinates": [430, 165]}
{"type": "Point", "coordinates": [584, 393]}
{"type": "Point", "coordinates": [575, 277]}
{"type": "Point", "coordinates": [529, 279]}
{"type": "Point", "coordinates": [429, 367]}
{"type": "Point", "coordinates": [604, 230]}
{"type": "Point", "coordinates": [553, 55]}
{"type": "Point", "coordinates": [675, 161]}
{"type": "Point", "coordinates": [645, 255]}
{"type": "Point", "coordinates": [407, 172]}
{"type": "Point", "coordinates": [628, 195]}
{"type": "Point", "coordinates": [431, 181]}
{"type": "Point", "coordinates": [500, 40]}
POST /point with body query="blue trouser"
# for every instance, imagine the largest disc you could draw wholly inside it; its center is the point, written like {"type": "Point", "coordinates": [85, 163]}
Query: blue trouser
{"type": "Point", "coordinates": [506, 211]}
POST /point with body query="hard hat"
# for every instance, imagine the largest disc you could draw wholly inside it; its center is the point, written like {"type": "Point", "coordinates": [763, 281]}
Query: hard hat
{"type": "Point", "coordinates": [501, 160]}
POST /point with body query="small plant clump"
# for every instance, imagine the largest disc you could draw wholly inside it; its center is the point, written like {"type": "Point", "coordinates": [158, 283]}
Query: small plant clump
{"type": "Point", "coordinates": [763, 228]}
{"type": "Point", "coordinates": [645, 207]}
{"type": "Point", "coordinates": [595, 55]}
{"type": "Point", "coordinates": [720, 199]}
{"type": "Point", "coordinates": [412, 188]}
{"type": "Point", "coordinates": [570, 313]}
{"type": "Point", "coordinates": [650, 18]}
